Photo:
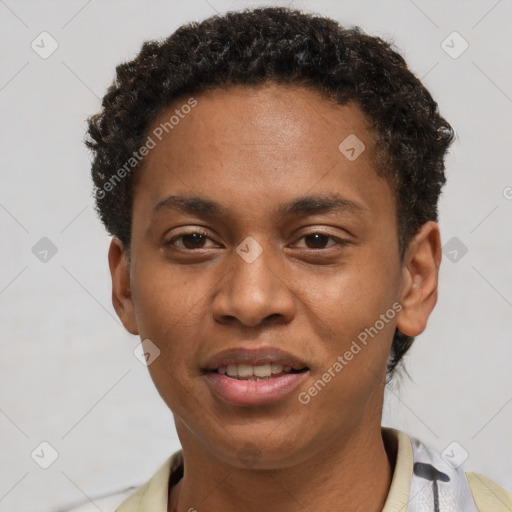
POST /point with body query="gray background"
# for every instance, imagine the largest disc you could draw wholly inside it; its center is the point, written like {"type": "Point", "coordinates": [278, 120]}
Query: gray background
{"type": "Point", "coordinates": [68, 374]}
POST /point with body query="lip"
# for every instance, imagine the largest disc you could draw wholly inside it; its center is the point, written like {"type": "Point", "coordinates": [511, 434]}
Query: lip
{"type": "Point", "coordinates": [254, 357]}
{"type": "Point", "coordinates": [248, 392]}
{"type": "Point", "coordinates": [252, 393]}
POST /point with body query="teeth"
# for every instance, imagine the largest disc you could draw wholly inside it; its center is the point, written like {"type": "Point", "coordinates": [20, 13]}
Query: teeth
{"type": "Point", "coordinates": [262, 371]}
{"type": "Point", "coordinates": [232, 370]}
{"type": "Point", "coordinates": [247, 371]}
{"type": "Point", "coordinates": [276, 368]}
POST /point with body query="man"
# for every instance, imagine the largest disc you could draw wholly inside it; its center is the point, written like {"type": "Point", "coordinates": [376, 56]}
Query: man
{"type": "Point", "coordinates": [270, 180]}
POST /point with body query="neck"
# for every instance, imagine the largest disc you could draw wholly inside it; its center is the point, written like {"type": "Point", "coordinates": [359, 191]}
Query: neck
{"type": "Point", "coordinates": [351, 474]}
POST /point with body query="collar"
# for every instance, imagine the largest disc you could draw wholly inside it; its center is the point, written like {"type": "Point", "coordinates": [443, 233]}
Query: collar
{"type": "Point", "coordinates": [153, 495]}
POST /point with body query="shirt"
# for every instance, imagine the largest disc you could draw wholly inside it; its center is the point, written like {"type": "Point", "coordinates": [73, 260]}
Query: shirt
{"type": "Point", "coordinates": [423, 481]}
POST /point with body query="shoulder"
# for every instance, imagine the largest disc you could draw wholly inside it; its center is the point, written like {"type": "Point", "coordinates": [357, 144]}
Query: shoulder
{"type": "Point", "coordinates": [452, 487]}
{"type": "Point", "coordinates": [489, 496]}
{"type": "Point", "coordinates": [151, 496]}
{"type": "Point", "coordinates": [105, 504]}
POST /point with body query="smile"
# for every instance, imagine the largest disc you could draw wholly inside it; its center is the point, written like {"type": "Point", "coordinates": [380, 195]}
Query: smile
{"type": "Point", "coordinates": [251, 389]}
{"type": "Point", "coordinates": [256, 373]}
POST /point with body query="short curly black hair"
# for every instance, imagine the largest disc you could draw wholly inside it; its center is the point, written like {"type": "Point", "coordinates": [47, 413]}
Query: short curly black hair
{"type": "Point", "coordinates": [284, 46]}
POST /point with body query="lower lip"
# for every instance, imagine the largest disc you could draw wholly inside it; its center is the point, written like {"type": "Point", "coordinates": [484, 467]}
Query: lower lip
{"type": "Point", "coordinates": [255, 392]}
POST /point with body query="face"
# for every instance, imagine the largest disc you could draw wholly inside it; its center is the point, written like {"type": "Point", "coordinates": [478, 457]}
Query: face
{"type": "Point", "coordinates": [252, 230]}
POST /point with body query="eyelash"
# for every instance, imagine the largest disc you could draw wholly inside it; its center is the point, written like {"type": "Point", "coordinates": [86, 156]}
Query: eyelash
{"type": "Point", "coordinates": [205, 235]}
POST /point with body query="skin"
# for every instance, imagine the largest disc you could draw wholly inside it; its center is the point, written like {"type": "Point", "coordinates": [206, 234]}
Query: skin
{"type": "Point", "coordinates": [310, 299]}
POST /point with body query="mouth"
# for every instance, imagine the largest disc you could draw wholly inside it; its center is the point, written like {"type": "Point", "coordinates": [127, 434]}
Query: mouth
{"type": "Point", "coordinates": [263, 372]}
{"type": "Point", "coordinates": [254, 377]}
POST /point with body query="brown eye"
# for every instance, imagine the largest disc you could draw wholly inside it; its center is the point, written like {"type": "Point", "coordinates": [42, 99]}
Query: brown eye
{"type": "Point", "coordinates": [189, 241]}
{"type": "Point", "coordinates": [193, 241]}
{"type": "Point", "coordinates": [319, 241]}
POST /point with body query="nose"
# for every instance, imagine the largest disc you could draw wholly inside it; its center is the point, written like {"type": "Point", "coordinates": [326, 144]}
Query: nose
{"type": "Point", "coordinates": [254, 292]}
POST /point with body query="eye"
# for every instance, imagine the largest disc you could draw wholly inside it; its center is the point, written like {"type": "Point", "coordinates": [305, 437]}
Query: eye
{"type": "Point", "coordinates": [191, 240]}
{"type": "Point", "coordinates": [317, 240]}
{"type": "Point", "coordinates": [196, 240]}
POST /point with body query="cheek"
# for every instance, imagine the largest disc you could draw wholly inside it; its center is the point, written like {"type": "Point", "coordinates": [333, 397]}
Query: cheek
{"type": "Point", "coordinates": [351, 298]}
{"type": "Point", "coordinates": [163, 296]}
{"type": "Point", "coordinates": [168, 311]}
{"type": "Point", "coordinates": [353, 311]}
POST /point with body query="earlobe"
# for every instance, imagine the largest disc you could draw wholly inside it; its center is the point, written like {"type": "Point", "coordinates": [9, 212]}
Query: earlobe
{"type": "Point", "coordinates": [122, 298]}
{"type": "Point", "coordinates": [420, 280]}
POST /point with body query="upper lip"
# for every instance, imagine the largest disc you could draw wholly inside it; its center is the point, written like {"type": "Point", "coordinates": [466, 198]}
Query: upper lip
{"type": "Point", "coordinates": [254, 357]}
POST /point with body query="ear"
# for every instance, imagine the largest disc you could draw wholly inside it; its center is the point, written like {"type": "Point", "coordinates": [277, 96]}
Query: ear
{"type": "Point", "coordinates": [420, 280]}
{"type": "Point", "coordinates": [122, 297]}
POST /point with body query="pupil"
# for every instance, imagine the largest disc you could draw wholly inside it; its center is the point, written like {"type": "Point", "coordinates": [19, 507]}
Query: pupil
{"type": "Point", "coordinates": [197, 239]}
{"type": "Point", "coordinates": [318, 239]}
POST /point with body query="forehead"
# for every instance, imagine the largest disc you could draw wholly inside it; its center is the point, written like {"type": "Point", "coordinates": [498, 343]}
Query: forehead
{"type": "Point", "coordinates": [277, 115]}
{"type": "Point", "coordinates": [260, 144]}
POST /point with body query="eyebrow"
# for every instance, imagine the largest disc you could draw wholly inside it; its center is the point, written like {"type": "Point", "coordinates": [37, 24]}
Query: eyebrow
{"type": "Point", "coordinates": [306, 205]}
